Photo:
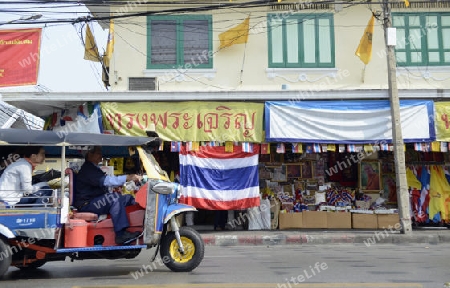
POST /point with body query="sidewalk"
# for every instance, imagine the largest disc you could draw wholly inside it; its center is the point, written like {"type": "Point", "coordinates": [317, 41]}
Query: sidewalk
{"type": "Point", "coordinates": [431, 236]}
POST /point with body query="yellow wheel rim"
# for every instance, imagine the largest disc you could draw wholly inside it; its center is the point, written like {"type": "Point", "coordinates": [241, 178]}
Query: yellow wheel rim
{"type": "Point", "coordinates": [189, 250]}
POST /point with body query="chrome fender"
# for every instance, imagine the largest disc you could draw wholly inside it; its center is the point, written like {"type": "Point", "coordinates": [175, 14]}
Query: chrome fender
{"type": "Point", "coordinates": [6, 232]}
{"type": "Point", "coordinates": [175, 209]}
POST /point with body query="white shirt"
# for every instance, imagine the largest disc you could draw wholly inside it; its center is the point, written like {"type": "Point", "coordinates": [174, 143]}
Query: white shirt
{"type": "Point", "coordinates": [16, 180]}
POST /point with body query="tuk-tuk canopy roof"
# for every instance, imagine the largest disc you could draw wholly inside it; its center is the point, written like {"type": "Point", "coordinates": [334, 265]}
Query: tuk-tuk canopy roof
{"type": "Point", "coordinates": [21, 137]}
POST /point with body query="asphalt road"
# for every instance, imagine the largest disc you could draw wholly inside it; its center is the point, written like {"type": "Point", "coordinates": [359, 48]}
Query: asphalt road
{"type": "Point", "coordinates": [386, 266]}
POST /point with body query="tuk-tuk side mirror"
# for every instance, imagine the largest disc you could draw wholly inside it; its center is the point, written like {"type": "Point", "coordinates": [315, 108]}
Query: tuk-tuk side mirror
{"type": "Point", "coordinates": [163, 188]}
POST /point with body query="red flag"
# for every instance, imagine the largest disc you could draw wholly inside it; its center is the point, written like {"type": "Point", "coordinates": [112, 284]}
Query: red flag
{"type": "Point", "coordinates": [20, 54]}
{"type": "Point", "coordinates": [265, 148]}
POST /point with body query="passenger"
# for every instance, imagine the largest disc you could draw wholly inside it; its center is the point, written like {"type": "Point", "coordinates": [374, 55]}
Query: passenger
{"type": "Point", "coordinates": [16, 180]}
{"type": "Point", "coordinates": [92, 194]}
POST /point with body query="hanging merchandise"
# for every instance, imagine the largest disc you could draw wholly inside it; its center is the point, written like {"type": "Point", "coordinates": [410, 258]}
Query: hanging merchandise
{"type": "Point", "coordinates": [341, 148]}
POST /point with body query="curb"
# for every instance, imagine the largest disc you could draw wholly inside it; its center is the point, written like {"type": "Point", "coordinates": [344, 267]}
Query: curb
{"type": "Point", "coordinates": [367, 239]}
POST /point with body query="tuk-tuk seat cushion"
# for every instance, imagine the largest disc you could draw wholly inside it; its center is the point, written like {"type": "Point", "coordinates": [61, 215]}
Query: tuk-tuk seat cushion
{"type": "Point", "coordinates": [86, 216]}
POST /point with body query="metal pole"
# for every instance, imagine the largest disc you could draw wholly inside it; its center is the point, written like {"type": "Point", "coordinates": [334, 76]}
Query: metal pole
{"type": "Point", "coordinates": [399, 150]}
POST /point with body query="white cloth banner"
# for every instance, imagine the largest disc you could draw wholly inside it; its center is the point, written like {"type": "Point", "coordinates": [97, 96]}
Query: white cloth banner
{"type": "Point", "coordinates": [346, 121]}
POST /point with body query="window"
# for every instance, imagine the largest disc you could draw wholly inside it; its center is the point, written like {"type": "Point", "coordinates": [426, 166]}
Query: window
{"type": "Point", "coordinates": [179, 42]}
{"type": "Point", "coordinates": [301, 41]}
{"type": "Point", "coordinates": [422, 39]}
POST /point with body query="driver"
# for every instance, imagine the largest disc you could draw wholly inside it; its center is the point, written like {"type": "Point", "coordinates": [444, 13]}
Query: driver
{"type": "Point", "coordinates": [92, 195]}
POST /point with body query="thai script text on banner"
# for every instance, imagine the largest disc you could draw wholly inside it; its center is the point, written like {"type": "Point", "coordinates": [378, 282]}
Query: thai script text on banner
{"type": "Point", "coordinates": [187, 121]}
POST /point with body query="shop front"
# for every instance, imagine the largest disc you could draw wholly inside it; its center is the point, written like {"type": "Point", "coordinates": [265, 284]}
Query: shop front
{"type": "Point", "coordinates": [315, 159]}
{"type": "Point", "coordinates": [331, 163]}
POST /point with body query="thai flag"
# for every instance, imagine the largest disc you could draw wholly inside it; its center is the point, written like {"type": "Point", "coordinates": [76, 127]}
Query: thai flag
{"type": "Point", "coordinates": [384, 147]}
{"type": "Point", "coordinates": [214, 179]}
{"type": "Point", "coordinates": [316, 148]}
{"type": "Point", "coordinates": [247, 147]}
{"type": "Point", "coordinates": [351, 148]}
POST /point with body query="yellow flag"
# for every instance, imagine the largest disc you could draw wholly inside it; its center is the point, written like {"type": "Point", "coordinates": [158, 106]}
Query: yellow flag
{"type": "Point", "coordinates": [368, 148]}
{"type": "Point", "coordinates": [406, 3]}
{"type": "Point", "coordinates": [435, 146]}
{"type": "Point", "coordinates": [235, 35]}
{"type": "Point", "coordinates": [229, 146]}
{"type": "Point", "coordinates": [90, 47]}
{"type": "Point", "coordinates": [331, 147]}
{"type": "Point", "coordinates": [364, 50]}
{"type": "Point", "coordinates": [109, 44]}
{"type": "Point", "coordinates": [412, 180]}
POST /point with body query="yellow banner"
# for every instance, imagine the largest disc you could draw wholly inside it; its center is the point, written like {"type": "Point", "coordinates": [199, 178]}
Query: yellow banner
{"type": "Point", "coordinates": [442, 121]}
{"type": "Point", "coordinates": [187, 121]}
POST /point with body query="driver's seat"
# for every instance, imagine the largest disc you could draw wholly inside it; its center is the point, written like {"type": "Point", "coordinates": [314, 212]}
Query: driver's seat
{"type": "Point", "coordinates": [86, 216]}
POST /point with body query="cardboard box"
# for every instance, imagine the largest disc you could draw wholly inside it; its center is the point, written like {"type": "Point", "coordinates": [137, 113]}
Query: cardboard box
{"type": "Point", "coordinates": [315, 219]}
{"type": "Point", "coordinates": [364, 221]}
{"type": "Point", "coordinates": [339, 220]}
{"type": "Point", "coordinates": [290, 220]}
{"type": "Point", "coordinates": [386, 220]}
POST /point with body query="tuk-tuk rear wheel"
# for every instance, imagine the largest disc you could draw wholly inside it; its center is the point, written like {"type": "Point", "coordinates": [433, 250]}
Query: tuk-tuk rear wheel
{"type": "Point", "coordinates": [6, 260]}
{"type": "Point", "coordinates": [194, 250]}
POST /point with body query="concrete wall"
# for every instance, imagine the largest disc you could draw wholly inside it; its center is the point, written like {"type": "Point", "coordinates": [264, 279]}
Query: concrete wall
{"type": "Point", "coordinates": [245, 66]}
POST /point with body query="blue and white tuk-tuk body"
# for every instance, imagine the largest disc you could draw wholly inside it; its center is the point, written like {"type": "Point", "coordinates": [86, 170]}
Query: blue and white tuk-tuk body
{"type": "Point", "coordinates": [32, 236]}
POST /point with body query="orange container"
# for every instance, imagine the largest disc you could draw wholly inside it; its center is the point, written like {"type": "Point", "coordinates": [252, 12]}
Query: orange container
{"type": "Point", "coordinates": [75, 233]}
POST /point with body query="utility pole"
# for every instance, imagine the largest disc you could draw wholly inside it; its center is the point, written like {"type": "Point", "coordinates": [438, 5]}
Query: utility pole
{"type": "Point", "coordinates": [399, 150]}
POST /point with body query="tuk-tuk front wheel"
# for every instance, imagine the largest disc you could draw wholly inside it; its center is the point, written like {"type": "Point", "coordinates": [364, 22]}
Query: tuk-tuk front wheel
{"type": "Point", "coordinates": [194, 250]}
{"type": "Point", "coordinates": [6, 256]}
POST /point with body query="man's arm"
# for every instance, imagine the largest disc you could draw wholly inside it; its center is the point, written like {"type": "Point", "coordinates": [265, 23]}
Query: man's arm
{"type": "Point", "coordinates": [120, 180]}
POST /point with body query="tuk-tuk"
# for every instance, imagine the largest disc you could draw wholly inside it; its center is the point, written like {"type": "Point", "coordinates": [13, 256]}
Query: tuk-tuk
{"type": "Point", "coordinates": [30, 236]}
